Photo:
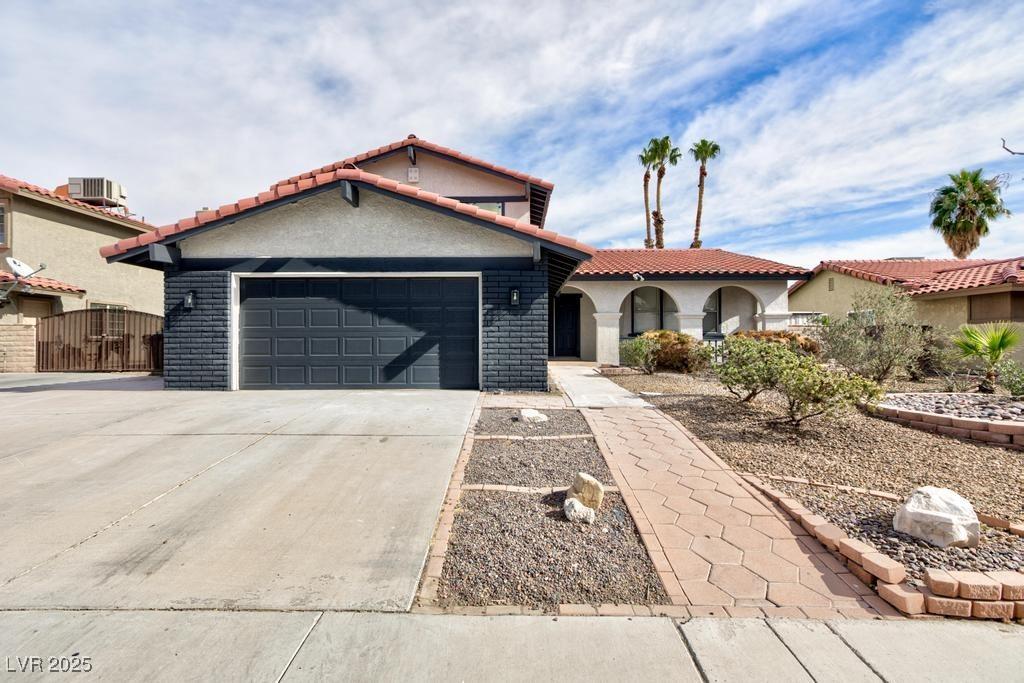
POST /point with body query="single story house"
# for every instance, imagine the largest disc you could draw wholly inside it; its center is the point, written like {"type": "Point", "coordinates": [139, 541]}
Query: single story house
{"type": "Point", "coordinates": [414, 265]}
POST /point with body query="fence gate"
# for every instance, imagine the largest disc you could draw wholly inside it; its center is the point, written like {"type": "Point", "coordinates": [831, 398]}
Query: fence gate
{"type": "Point", "coordinates": [100, 339]}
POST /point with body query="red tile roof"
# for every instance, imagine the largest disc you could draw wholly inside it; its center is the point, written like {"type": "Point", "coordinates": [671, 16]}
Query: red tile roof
{"type": "Point", "coordinates": [891, 271]}
{"type": "Point", "coordinates": [682, 262]}
{"type": "Point", "coordinates": [413, 141]}
{"type": "Point", "coordinates": [43, 283]}
{"type": "Point", "coordinates": [971, 276]}
{"type": "Point", "coordinates": [17, 186]}
{"type": "Point", "coordinates": [307, 183]}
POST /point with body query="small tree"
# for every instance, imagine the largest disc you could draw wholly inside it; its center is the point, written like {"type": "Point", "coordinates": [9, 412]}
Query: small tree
{"type": "Point", "coordinates": [880, 335]}
{"type": "Point", "coordinates": [990, 343]}
{"type": "Point", "coordinates": [639, 352]}
{"type": "Point", "coordinates": [751, 366]}
{"type": "Point", "coordinates": [810, 389]}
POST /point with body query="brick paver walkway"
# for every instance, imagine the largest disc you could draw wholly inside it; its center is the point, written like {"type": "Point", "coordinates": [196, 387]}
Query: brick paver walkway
{"type": "Point", "coordinates": [716, 542]}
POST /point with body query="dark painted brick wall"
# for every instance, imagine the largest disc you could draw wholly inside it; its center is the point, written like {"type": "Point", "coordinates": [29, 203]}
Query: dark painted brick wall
{"type": "Point", "coordinates": [197, 343]}
{"type": "Point", "coordinates": [515, 338]}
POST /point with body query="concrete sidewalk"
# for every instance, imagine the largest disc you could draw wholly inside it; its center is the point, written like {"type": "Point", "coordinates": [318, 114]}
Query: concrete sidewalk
{"type": "Point", "coordinates": [269, 645]}
{"type": "Point", "coordinates": [585, 387]}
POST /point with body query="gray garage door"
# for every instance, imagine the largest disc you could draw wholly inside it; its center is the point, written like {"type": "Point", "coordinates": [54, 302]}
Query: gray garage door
{"type": "Point", "coordinates": [304, 333]}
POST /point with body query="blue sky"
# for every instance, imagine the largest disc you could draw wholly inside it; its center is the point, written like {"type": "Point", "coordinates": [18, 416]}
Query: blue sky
{"type": "Point", "coordinates": [837, 120]}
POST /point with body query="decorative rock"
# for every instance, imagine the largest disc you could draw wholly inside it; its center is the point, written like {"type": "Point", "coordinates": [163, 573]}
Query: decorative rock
{"type": "Point", "coordinates": [575, 511]}
{"type": "Point", "coordinates": [531, 415]}
{"type": "Point", "coordinates": [587, 490]}
{"type": "Point", "coordinates": [939, 516]}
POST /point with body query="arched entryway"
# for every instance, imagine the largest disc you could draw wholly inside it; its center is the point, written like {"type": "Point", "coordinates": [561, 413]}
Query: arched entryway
{"type": "Point", "coordinates": [728, 309]}
{"type": "Point", "coordinates": [646, 308]}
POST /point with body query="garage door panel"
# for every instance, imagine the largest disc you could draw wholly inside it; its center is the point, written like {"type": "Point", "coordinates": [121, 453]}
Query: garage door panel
{"type": "Point", "coordinates": [359, 332]}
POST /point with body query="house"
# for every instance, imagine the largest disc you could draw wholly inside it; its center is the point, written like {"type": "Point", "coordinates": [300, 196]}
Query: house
{"type": "Point", "coordinates": [948, 292]}
{"type": "Point", "coordinates": [415, 265]}
{"type": "Point", "coordinates": [42, 226]}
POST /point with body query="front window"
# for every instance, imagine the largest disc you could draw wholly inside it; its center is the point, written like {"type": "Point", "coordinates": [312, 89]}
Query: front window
{"type": "Point", "coordinates": [4, 217]}
{"type": "Point", "coordinates": [106, 320]}
{"type": "Point", "coordinates": [713, 313]}
{"type": "Point", "coordinates": [646, 307]}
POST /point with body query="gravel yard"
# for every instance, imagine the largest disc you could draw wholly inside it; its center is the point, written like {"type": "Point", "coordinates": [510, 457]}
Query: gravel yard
{"type": "Point", "coordinates": [534, 462]}
{"type": "Point", "coordinates": [518, 549]}
{"type": "Point", "coordinates": [977, 406]}
{"type": "Point", "coordinates": [506, 421]}
{"type": "Point", "coordinates": [853, 449]}
{"type": "Point", "coordinates": [870, 519]}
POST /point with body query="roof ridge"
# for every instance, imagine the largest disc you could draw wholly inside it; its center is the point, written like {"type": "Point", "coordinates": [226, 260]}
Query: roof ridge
{"type": "Point", "coordinates": [981, 262]}
{"type": "Point", "coordinates": [12, 184]}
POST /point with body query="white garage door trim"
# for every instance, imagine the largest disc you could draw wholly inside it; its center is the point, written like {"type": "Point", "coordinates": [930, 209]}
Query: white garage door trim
{"type": "Point", "coordinates": [236, 305]}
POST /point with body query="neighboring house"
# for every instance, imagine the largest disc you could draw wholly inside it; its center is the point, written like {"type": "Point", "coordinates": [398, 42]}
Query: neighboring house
{"type": "Point", "coordinates": [948, 292]}
{"type": "Point", "coordinates": [414, 265]}
{"type": "Point", "coordinates": [40, 226]}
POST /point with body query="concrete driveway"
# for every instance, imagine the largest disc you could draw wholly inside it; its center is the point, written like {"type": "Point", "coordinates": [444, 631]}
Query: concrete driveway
{"type": "Point", "coordinates": [120, 495]}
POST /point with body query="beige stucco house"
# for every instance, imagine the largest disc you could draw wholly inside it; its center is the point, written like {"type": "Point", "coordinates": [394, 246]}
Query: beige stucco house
{"type": "Point", "coordinates": [41, 226]}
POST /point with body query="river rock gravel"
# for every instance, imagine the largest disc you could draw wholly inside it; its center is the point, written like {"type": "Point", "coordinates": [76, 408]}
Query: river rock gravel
{"type": "Point", "coordinates": [535, 462]}
{"type": "Point", "coordinates": [507, 421]}
{"type": "Point", "coordinates": [869, 519]}
{"type": "Point", "coordinates": [518, 549]}
{"type": "Point", "coordinates": [974, 406]}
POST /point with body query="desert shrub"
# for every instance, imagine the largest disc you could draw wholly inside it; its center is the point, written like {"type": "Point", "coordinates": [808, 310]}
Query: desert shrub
{"type": "Point", "coordinates": [939, 357]}
{"type": "Point", "coordinates": [879, 337]}
{"type": "Point", "coordinates": [750, 367]}
{"type": "Point", "coordinates": [810, 389]}
{"type": "Point", "coordinates": [988, 343]}
{"type": "Point", "coordinates": [1011, 377]}
{"type": "Point", "coordinates": [677, 351]}
{"type": "Point", "coordinates": [796, 341]}
{"type": "Point", "coordinates": [639, 352]}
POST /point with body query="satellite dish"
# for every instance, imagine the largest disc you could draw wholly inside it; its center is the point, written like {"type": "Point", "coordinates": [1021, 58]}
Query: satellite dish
{"type": "Point", "coordinates": [20, 268]}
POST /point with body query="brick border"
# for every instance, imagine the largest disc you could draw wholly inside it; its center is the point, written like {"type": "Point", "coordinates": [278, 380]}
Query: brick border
{"type": "Point", "coordinates": [989, 432]}
{"type": "Point", "coordinates": [975, 595]}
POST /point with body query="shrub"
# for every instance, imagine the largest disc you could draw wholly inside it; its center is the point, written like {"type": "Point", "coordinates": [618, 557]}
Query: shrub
{"type": "Point", "coordinates": [796, 341]}
{"type": "Point", "coordinates": [1011, 376]}
{"type": "Point", "coordinates": [639, 352]}
{"type": "Point", "coordinates": [810, 389]}
{"type": "Point", "coordinates": [880, 336]}
{"type": "Point", "coordinates": [677, 351]}
{"type": "Point", "coordinates": [989, 343]}
{"type": "Point", "coordinates": [750, 366]}
{"type": "Point", "coordinates": [938, 356]}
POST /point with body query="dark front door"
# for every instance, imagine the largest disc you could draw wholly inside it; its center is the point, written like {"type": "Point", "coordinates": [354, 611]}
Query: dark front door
{"type": "Point", "coordinates": [567, 325]}
{"type": "Point", "coordinates": [308, 333]}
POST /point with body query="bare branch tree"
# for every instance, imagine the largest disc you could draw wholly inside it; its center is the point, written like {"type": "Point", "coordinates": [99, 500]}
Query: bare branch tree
{"type": "Point", "coordinates": [1010, 150]}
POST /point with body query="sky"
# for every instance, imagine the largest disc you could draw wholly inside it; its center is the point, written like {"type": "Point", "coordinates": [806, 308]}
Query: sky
{"type": "Point", "coordinates": [837, 120]}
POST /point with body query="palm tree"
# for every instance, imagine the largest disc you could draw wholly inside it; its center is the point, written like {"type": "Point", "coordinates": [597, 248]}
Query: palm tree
{"type": "Point", "coordinates": [702, 152]}
{"type": "Point", "coordinates": [664, 155]}
{"type": "Point", "coordinates": [646, 159]}
{"type": "Point", "coordinates": [989, 343]}
{"type": "Point", "coordinates": [961, 210]}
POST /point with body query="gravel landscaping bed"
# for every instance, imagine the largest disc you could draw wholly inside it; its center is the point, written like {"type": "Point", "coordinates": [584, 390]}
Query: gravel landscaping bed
{"type": "Point", "coordinates": [550, 462]}
{"type": "Point", "coordinates": [518, 549]}
{"type": "Point", "coordinates": [977, 406]}
{"type": "Point", "coordinates": [506, 421]}
{"type": "Point", "coordinates": [853, 449]}
{"type": "Point", "coordinates": [870, 519]}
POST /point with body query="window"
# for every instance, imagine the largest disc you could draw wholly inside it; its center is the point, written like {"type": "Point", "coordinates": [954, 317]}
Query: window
{"type": "Point", "coordinates": [107, 320]}
{"type": "Point", "coordinates": [831, 284]}
{"type": "Point", "coordinates": [713, 313]}
{"type": "Point", "coordinates": [4, 213]}
{"type": "Point", "coordinates": [646, 308]}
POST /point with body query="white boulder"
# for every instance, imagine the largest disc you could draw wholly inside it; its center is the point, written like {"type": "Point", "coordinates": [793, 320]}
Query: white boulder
{"type": "Point", "coordinates": [531, 415]}
{"type": "Point", "coordinates": [587, 490]}
{"type": "Point", "coordinates": [940, 517]}
{"type": "Point", "coordinates": [575, 511]}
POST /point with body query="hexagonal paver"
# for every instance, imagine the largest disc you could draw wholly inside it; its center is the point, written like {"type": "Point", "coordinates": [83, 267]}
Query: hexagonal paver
{"type": "Point", "coordinates": [716, 551]}
{"type": "Point", "coordinates": [688, 565]}
{"type": "Point", "coordinates": [652, 465]}
{"type": "Point", "coordinates": [792, 551]}
{"type": "Point", "coordinates": [672, 536]}
{"type": "Point", "coordinates": [728, 515]}
{"type": "Point", "coordinates": [684, 470]}
{"type": "Point", "coordinates": [737, 581]}
{"type": "Point", "coordinates": [649, 498]}
{"type": "Point", "coordinates": [703, 593]}
{"type": "Point", "coordinates": [746, 538]}
{"type": "Point", "coordinates": [826, 583]}
{"type": "Point", "coordinates": [795, 595]}
{"type": "Point", "coordinates": [697, 483]}
{"type": "Point", "coordinates": [711, 497]}
{"type": "Point", "coordinates": [770, 566]}
{"type": "Point", "coordinates": [659, 514]}
{"type": "Point", "coordinates": [699, 525]}
{"type": "Point", "coordinates": [663, 477]}
{"type": "Point", "coordinates": [684, 505]}
{"type": "Point", "coordinates": [771, 527]}
{"type": "Point", "coordinates": [751, 506]}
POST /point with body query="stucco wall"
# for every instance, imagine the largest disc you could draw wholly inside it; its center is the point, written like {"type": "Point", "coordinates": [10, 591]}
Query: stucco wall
{"type": "Point", "coordinates": [949, 314]}
{"type": "Point", "coordinates": [324, 226]}
{"type": "Point", "coordinates": [69, 243]}
{"type": "Point", "coordinates": [738, 310]}
{"type": "Point", "coordinates": [814, 296]}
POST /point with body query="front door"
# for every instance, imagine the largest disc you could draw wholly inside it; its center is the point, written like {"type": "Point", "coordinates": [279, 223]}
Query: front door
{"type": "Point", "coordinates": [567, 325]}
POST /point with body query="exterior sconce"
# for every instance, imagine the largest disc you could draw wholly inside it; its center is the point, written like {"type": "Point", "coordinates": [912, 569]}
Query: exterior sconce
{"type": "Point", "coordinates": [514, 297]}
{"type": "Point", "coordinates": [190, 300]}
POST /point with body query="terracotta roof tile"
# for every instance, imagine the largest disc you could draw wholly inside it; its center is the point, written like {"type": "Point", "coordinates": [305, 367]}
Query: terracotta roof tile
{"type": "Point", "coordinates": [682, 262]}
{"type": "Point", "coordinates": [43, 283]}
{"type": "Point", "coordinates": [892, 271]}
{"type": "Point", "coordinates": [325, 177]}
{"type": "Point", "coordinates": [16, 186]}
{"type": "Point", "coordinates": [1007, 271]}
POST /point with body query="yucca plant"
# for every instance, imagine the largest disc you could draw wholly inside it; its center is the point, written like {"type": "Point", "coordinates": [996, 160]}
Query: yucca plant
{"type": "Point", "coordinates": [990, 343]}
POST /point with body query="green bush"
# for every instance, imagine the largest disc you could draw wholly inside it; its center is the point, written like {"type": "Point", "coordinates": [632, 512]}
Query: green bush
{"type": "Point", "coordinates": [811, 389]}
{"type": "Point", "coordinates": [1011, 377]}
{"type": "Point", "coordinates": [750, 367]}
{"type": "Point", "coordinates": [988, 343]}
{"type": "Point", "coordinates": [794, 340]}
{"type": "Point", "coordinates": [677, 351]}
{"type": "Point", "coordinates": [639, 352]}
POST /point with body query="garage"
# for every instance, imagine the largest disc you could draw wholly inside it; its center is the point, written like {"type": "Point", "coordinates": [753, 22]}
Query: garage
{"type": "Point", "coordinates": [358, 332]}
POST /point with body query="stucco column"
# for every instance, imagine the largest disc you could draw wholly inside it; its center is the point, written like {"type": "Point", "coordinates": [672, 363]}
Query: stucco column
{"type": "Point", "coordinates": [772, 321]}
{"type": "Point", "coordinates": [691, 324]}
{"type": "Point", "coordinates": [607, 338]}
